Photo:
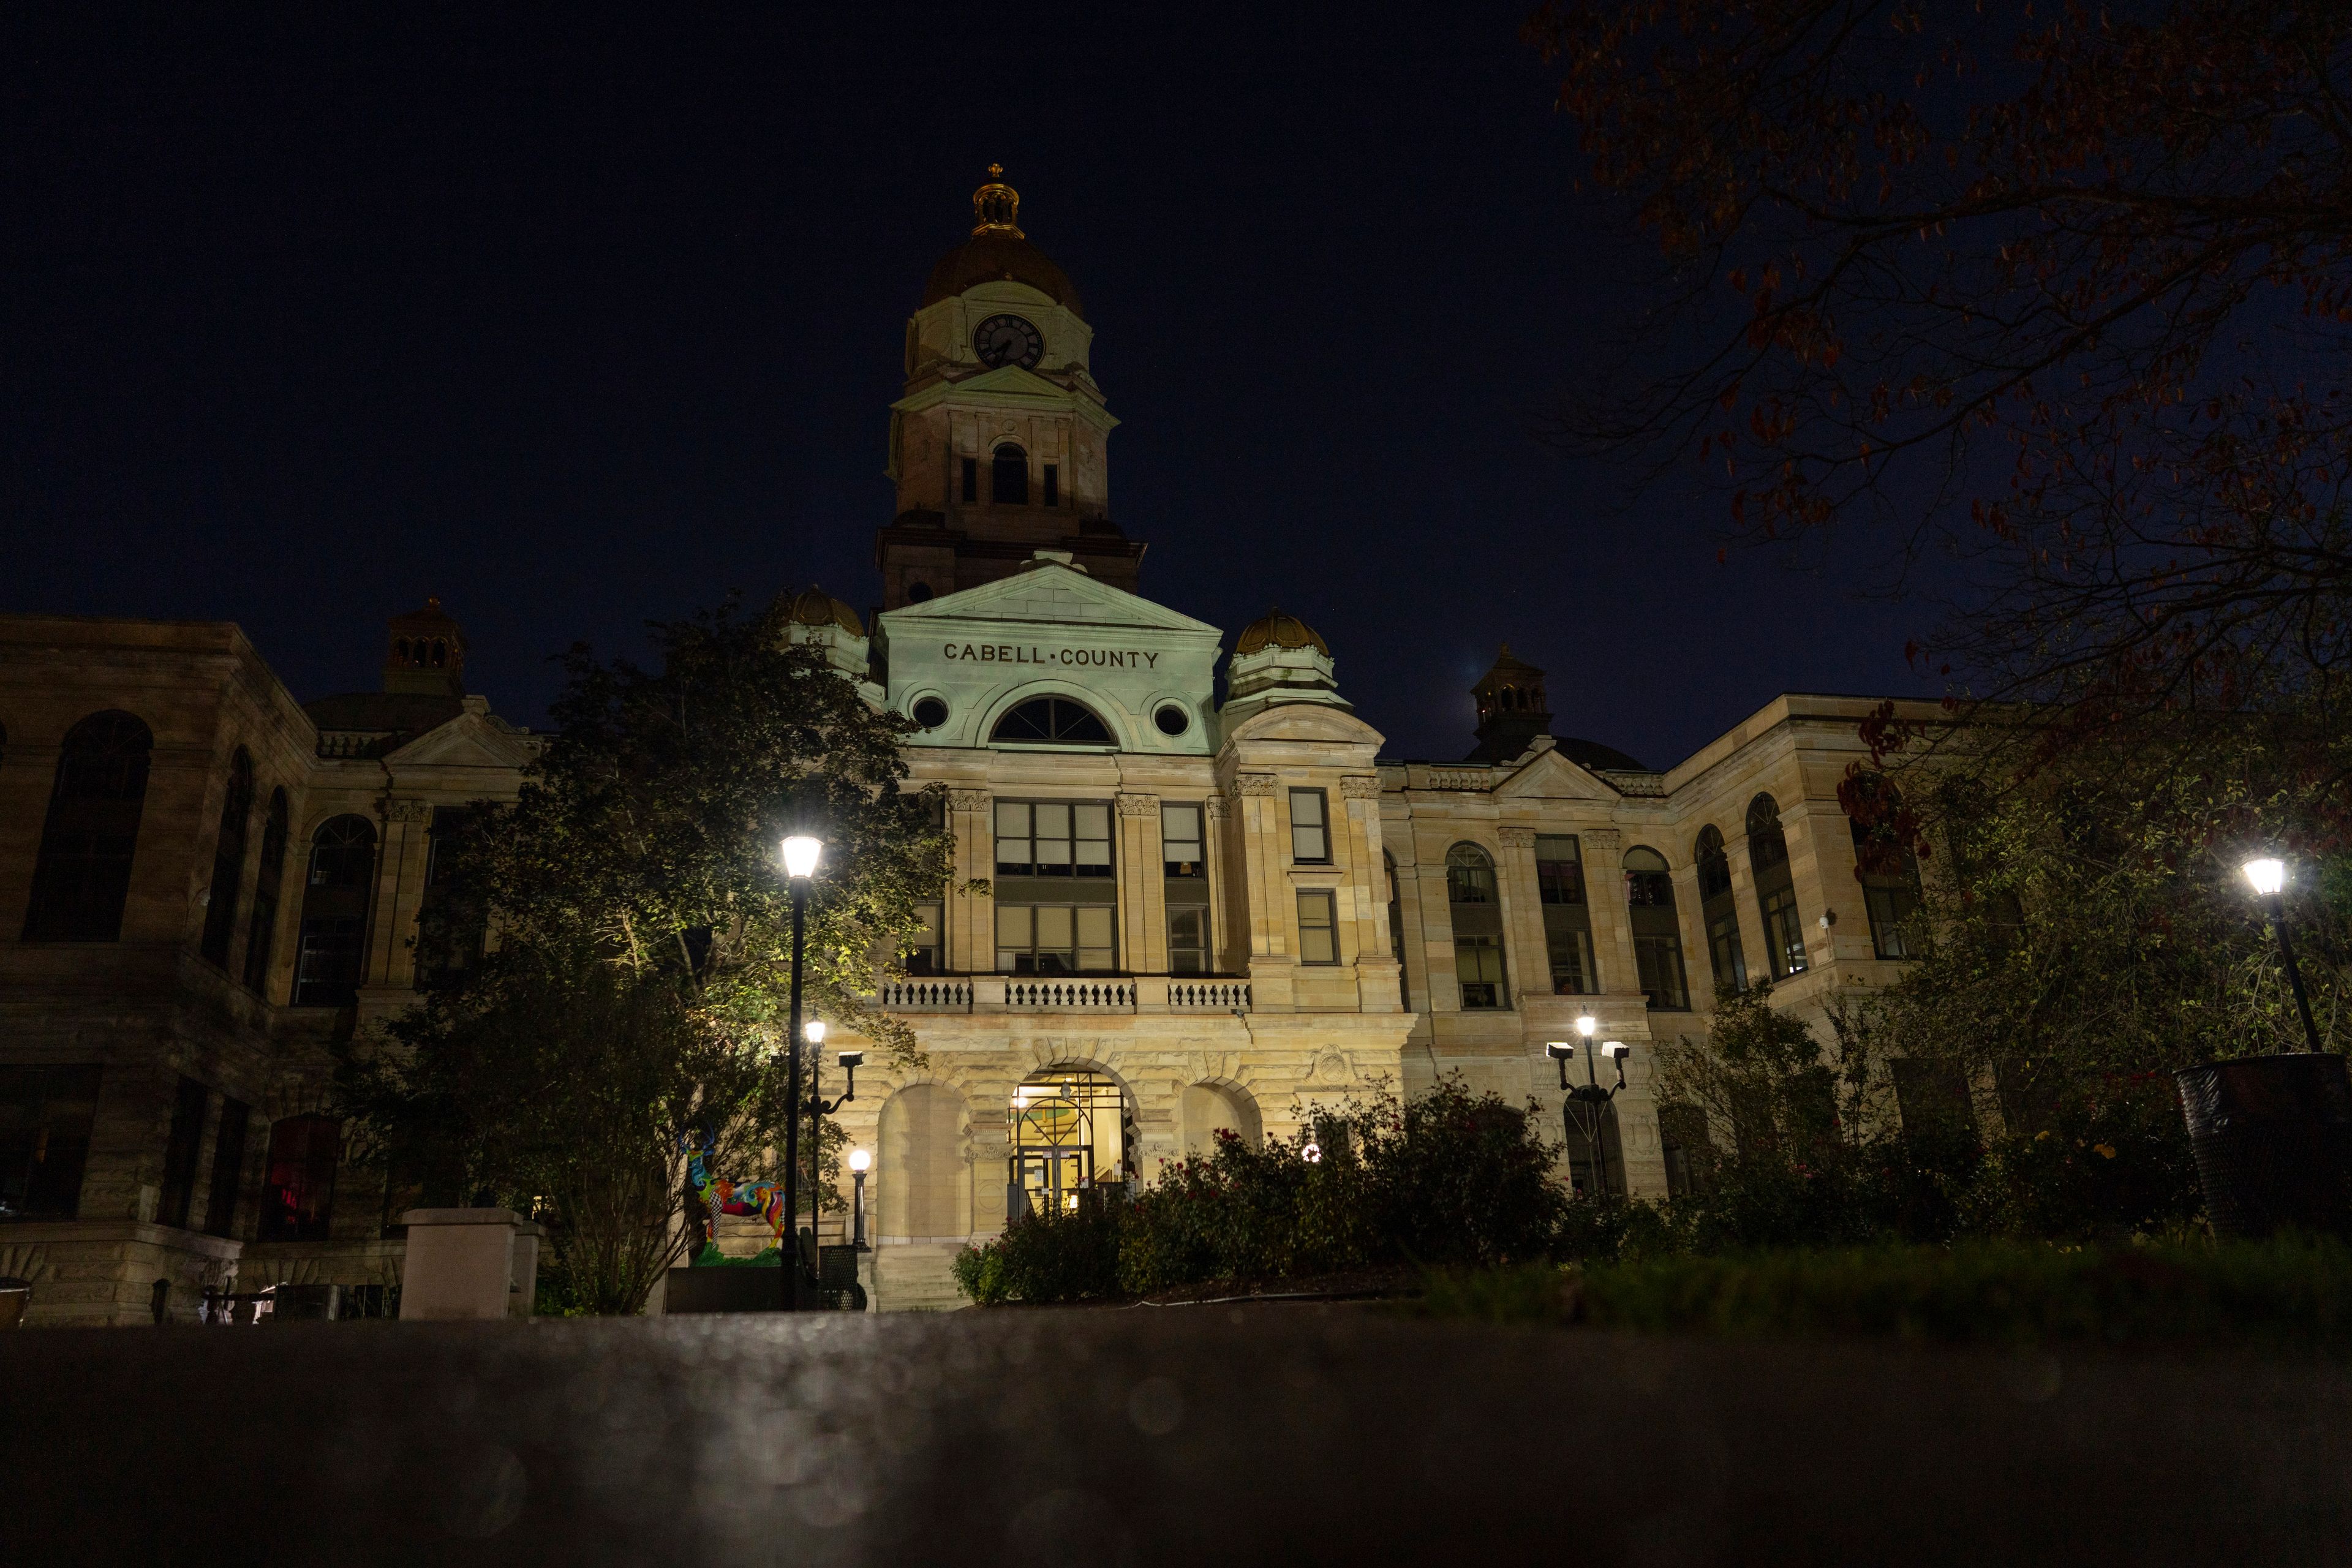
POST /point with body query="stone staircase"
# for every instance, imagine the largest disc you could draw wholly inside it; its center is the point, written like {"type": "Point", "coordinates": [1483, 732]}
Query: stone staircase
{"type": "Point", "coordinates": [915, 1279]}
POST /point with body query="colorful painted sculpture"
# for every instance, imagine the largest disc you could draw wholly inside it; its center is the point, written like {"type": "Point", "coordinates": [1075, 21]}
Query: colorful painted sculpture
{"type": "Point", "coordinates": [720, 1196]}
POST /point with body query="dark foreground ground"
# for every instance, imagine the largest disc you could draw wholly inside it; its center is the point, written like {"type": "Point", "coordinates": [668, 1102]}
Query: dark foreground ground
{"type": "Point", "coordinates": [1201, 1435]}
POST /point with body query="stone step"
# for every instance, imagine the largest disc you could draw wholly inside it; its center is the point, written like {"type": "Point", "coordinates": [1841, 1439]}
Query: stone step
{"type": "Point", "coordinates": [916, 1279]}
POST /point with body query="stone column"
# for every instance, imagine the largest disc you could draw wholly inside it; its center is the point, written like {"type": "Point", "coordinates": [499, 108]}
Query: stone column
{"type": "Point", "coordinates": [970, 922]}
{"type": "Point", "coordinates": [1749, 911]}
{"type": "Point", "coordinates": [1227, 955]}
{"type": "Point", "coordinates": [1523, 929]}
{"type": "Point", "coordinates": [399, 893]}
{"type": "Point", "coordinates": [1604, 900]}
{"type": "Point", "coordinates": [1822, 865]}
{"type": "Point", "coordinates": [1142, 886]}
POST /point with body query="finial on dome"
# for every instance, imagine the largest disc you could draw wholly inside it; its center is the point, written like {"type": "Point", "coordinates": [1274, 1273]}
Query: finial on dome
{"type": "Point", "coordinates": [996, 204]}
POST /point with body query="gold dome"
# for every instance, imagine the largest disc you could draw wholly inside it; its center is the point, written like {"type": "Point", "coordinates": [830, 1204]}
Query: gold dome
{"type": "Point", "coordinates": [1276, 629]}
{"type": "Point", "coordinates": [815, 607]}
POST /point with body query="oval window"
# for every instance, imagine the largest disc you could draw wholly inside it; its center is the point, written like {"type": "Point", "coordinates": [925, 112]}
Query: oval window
{"type": "Point", "coordinates": [1172, 719]}
{"type": "Point", "coordinates": [931, 712]}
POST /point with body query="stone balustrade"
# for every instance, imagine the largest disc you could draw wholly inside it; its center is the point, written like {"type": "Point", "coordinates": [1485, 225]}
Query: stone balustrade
{"type": "Point", "coordinates": [1066, 993]}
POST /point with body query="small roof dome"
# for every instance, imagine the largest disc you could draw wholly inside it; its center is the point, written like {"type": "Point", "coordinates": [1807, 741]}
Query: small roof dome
{"type": "Point", "coordinates": [998, 251]}
{"type": "Point", "coordinates": [815, 607]}
{"type": "Point", "coordinates": [1278, 629]}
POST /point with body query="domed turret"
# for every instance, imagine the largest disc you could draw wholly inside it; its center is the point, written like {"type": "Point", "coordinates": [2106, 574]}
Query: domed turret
{"type": "Point", "coordinates": [814, 615]}
{"type": "Point", "coordinates": [998, 251]}
{"type": "Point", "coordinates": [812, 606]}
{"type": "Point", "coordinates": [1278, 658]}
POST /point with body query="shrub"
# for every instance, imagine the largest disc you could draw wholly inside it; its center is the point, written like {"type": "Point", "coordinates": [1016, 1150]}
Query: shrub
{"type": "Point", "coordinates": [1047, 1257]}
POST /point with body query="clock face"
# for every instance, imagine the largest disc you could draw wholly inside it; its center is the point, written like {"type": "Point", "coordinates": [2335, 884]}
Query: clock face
{"type": "Point", "coordinates": [1008, 339]}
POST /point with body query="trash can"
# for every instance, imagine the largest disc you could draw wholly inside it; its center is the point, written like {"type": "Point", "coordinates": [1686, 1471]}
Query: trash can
{"type": "Point", "coordinates": [2273, 1139]}
{"type": "Point", "coordinates": [15, 1296]}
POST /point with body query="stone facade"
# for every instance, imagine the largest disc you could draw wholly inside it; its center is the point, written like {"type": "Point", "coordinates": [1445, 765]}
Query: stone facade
{"type": "Point", "coordinates": [1198, 915]}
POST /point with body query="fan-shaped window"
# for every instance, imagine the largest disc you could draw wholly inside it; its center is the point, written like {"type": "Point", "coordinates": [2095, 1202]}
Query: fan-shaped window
{"type": "Point", "coordinates": [1008, 476]}
{"type": "Point", "coordinates": [262, 934]}
{"type": "Point", "coordinates": [1884, 864]}
{"type": "Point", "coordinates": [1469, 874]}
{"type": "Point", "coordinates": [1477, 913]}
{"type": "Point", "coordinates": [1657, 930]}
{"type": "Point", "coordinates": [1718, 912]}
{"type": "Point", "coordinates": [335, 913]}
{"type": "Point", "coordinates": [1776, 891]}
{"type": "Point", "coordinates": [228, 859]}
{"type": "Point", "coordinates": [83, 875]}
{"type": "Point", "coordinates": [1054, 721]}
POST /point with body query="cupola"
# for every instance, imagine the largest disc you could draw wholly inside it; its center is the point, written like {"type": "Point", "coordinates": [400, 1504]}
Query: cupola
{"type": "Point", "coordinates": [424, 653]}
{"type": "Point", "coordinates": [814, 615]}
{"type": "Point", "coordinates": [1512, 711]}
{"type": "Point", "coordinates": [998, 251]}
{"type": "Point", "coordinates": [1278, 658]}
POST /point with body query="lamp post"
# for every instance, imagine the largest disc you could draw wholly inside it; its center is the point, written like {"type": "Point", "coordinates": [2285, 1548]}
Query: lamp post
{"type": "Point", "coordinates": [2268, 877]}
{"type": "Point", "coordinates": [859, 1161]}
{"type": "Point", "coordinates": [801, 854]}
{"type": "Point", "coordinates": [1589, 1094]}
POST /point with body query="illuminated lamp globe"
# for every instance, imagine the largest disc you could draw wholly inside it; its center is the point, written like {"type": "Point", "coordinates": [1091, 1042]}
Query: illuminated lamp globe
{"type": "Point", "coordinates": [1586, 1025]}
{"type": "Point", "coordinates": [2267, 875]}
{"type": "Point", "coordinates": [860, 1161]}
{"type": "Point", "coordinates": [814, 1031]}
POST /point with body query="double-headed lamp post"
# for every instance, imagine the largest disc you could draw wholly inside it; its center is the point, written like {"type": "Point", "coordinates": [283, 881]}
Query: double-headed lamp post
{"type": "Point", "coordinates": [2268, 877]}
{"type": "Point", "coordinates": [799, 854]}
{"type": "Point", "coordinates": [1590, 1095]}
{"type": "Point", "coordinates": [819, 1108]}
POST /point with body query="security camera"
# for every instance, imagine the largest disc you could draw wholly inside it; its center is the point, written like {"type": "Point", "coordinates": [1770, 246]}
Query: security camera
{"type": "Point", "coordinates": [1560, 1050]}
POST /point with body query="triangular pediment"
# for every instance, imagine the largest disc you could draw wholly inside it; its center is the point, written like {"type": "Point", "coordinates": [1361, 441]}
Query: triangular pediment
{"type": "Point", "coordinates": [1048, 593]}
{"type": "Point", "coordinates": [468, 741]}
{"type": "Point", "coordinates": [1008, 387]}
{"type": "Point", "coordinates": [1547, 775]}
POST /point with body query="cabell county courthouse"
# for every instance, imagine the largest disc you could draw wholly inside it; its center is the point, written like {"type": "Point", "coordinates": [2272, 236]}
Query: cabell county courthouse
{"type": "Point", "coordinates": [1203, 915]}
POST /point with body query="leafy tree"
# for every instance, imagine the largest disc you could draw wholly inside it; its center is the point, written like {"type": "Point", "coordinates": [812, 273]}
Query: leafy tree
{"type": "Point", "coordinates": [2060, 290]}
{"type": "Point", "coordinates": [636, 990]}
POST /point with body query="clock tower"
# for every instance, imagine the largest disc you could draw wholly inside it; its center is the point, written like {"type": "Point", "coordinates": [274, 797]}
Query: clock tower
{"type": "Point", "coordinates": [998, 445]}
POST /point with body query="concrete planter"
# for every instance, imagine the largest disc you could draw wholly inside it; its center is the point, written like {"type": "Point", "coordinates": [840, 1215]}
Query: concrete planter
{"type": "Point", "coordinates": [2272, 1138]}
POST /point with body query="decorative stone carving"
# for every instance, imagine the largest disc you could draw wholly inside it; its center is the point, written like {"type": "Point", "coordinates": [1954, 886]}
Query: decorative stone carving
{"type": "Point", "coordinates": [411, 811]}
{"type": "Point", "coordinates": [974, 799]}
{"type": "Point", "coordinates": [1139, 805]}
{"type": "Point", "coordinates": [1603, 842]}
{"type": "Point", "coordinates": [1360, 786]}
{"type": "Point", "coordinates": [1252, 784]}
{"type": "Point", "coordinates": [1517, 838]}
{"type": "Point", "coordinates": [1216, 808]}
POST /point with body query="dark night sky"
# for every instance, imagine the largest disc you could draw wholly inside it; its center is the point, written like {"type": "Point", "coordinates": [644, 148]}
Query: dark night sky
{"type": "Point", "coordinates": [577, 322]}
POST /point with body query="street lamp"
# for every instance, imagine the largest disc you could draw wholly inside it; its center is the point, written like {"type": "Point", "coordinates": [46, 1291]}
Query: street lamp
{"type": "Point", "coordinates": [801, 854]}
{"type": "Point", "coordinates": [2268, 877]}
{"type": "Point", "coordinates": [860, 1163]}
{"type": "Point", "coordinates": [819, 1108]}
{"type": "Point", "coordinates": [1589, 1095]}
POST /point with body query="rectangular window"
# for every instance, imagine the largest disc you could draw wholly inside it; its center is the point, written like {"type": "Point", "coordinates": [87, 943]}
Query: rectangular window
{"type": "Point", "coordinates": [922, 954]}
{"type": "Point", "coordinates": [46, 1113]}
{"type": "Point", "coordinates": [228, 1168]}
{"type": "Point", "coordinates": [1784, 933]}
{"type": "Point", "coordinates": [1932, 1093]}
{"type": "Point", "coordinates": [1892, 906]}
{"type": "Point", "coordinates": [1658, 970]}
{"type": "Point", "coordinates": [326, 964]}
{"type": "Point", "coordinates": [1052, 484]}
{"type": "Point", "coordinates": [1310, 827]}
{"type": "Point", "coordinates": [180, 1149]}
{"type": "Point", "coordinates": [1722, 944]}
{"type": "Point", "coordinates": [1188, 941]}
{"type": "Point", "coordinates": [1689, 1154]}
{"type": "Point", "coordinates": [1319, 928]}
{"type": "Point", "coordinates": [1569, 949]}
{"type": "Point", "coordinates": [1055, 939]}
{"type": "Point", "coordinates": [1559, 869]}
{"type": "Point", "coordinates": [1478, 964]}
{"type": "Point", "coordinates": [1180, 841]}
{"type": "Point", "coordinates": [1052, 839]}
{"type": "Point", "coordinates": [972, 480]}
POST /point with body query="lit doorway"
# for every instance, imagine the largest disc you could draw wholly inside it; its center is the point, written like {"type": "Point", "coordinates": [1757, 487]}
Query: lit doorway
{"type": "Point", "coordinates": [1068, 1133]}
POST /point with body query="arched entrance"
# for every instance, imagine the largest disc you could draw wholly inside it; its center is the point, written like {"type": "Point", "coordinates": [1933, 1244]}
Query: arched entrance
{"type": "Point", "coordinates": [1213, 1108]}
{"type": "Point", "coordinates": [1068, 1132]}
{"type": "Point", "coordinates": [925, 1186]}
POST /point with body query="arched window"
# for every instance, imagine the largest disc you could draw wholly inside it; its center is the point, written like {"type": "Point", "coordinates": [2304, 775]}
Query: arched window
{"type": "Point", "coordinates": [1396, 931]}
{"type": "Point", "coordinates": [228, 859]}
{"type": "Point", "coordinates": [1051, 720]}
{"type": "Point", "coordinates": [1717, 910]}
{"type": "Point", "coordinates": [1657, 930]}
{"type": "Point", "coordinates": [1884, 866]}
{"type": "Point", "coordinates": [1008, 477]}
{"type": "Point", "coordinates": [1477, 912]}
{"type": "Point", "coordinates": [334, 913]}
{"type": "Point", "coordinates": [83, 874]}
{"type": "Point", "coordinates": [297, 1194]}
{"type": "Point", "coordinates": [262, 934]}
{"type": "Point", "coordinates": [1776, 891]}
